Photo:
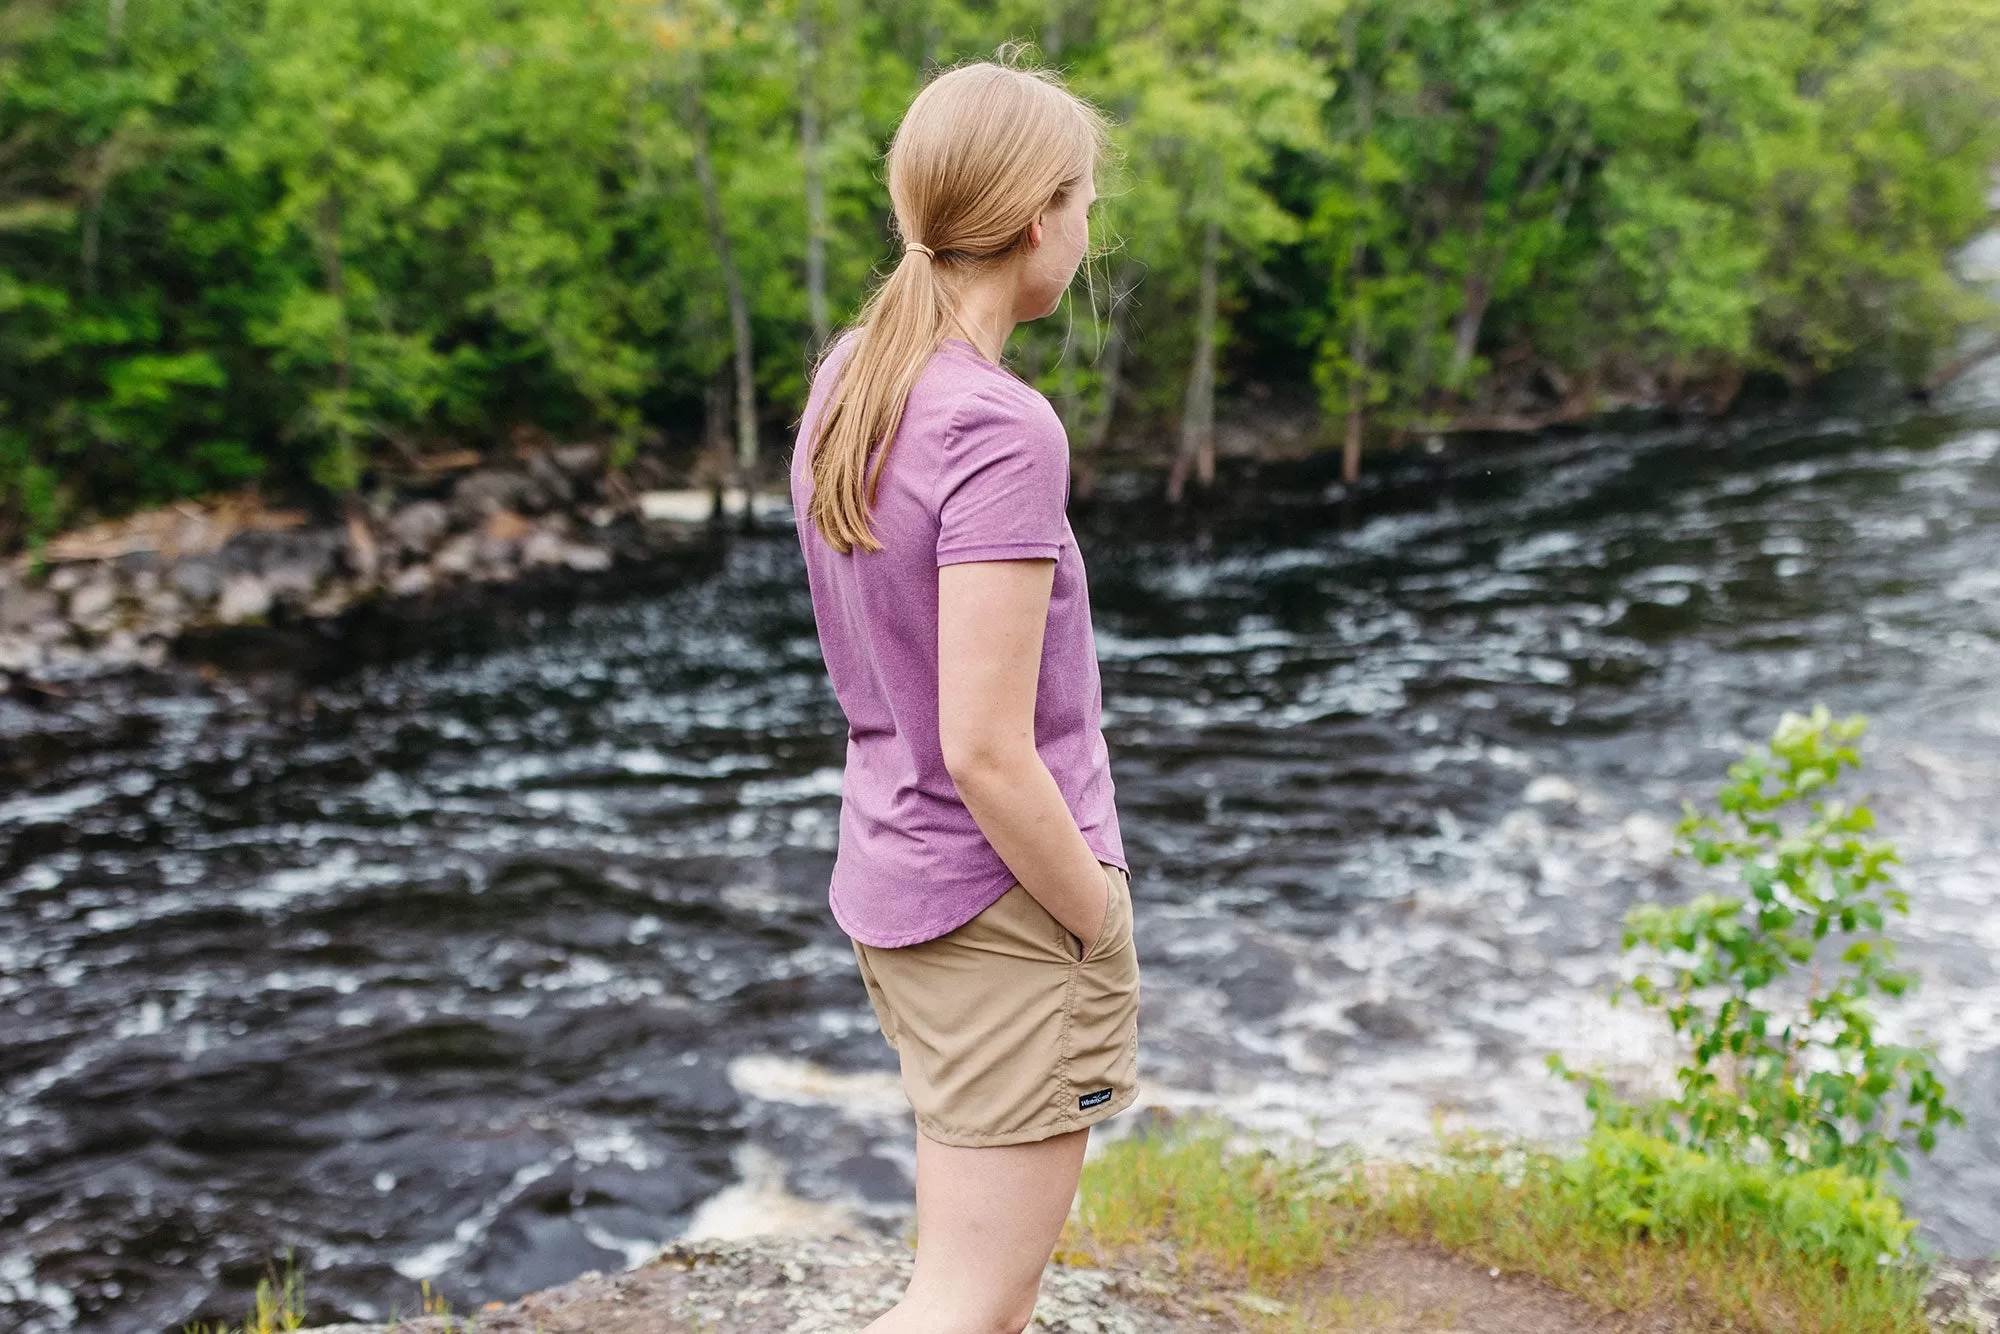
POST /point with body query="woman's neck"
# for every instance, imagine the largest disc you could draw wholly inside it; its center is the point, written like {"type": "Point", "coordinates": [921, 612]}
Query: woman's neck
{"type": "Point", "coordinates": [985, 312]}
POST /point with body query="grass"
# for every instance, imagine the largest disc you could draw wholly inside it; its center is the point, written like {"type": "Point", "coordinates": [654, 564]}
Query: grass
{"type": "Point", "coordinates": [1757, 1254]}
{"type": "Point", "coordinates": [280, 1305]}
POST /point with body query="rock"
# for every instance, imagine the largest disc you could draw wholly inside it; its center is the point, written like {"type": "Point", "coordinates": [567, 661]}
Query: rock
{"type": "Point", "coordinates": [551, 482]}
{"type": "Point", "coordinates": [505, 526]}
{"type": "Point", "coordinates": [363, 557]}
{"type": "Point", "coordinates": [577, 460]}
{"type": "Point", "coordinates": [92, 601]}
{"type": "Point", "coordinates": [457, 556]}
{"type": "Point", "coordinates": [418, 526]}
{"type": "Point", "coordinates": [543, 547]}
{"type": "Point", "coordinates": [684, 506]}
{"type": "Point", "coordinates": [292, 564]}
{"type": "Point", "coordinates": [244, 597]}
{"type": "Point", "coordinates": [163, 628]}
{"type": "Point", "coordinates": [796, 1285]}
{"type": "Point", "coordinates": [20, 606]}
{"type": "Point", "coordinates": [408, 583]}
{"type": "Point", "coordinates": [163, 604]}
{"type": "Point", "coordinates": [197, 578]}
{"type": "Point", "coordinates": [584, 558]}
{"type": "Point", "coordinates": [1964, 1295]}
{"type": "Point", "coordinates": [294, 580]}
{"type": "Point", "coordinates": [18, 653]}
{"type": "Point", "coordinates": [487, 490]}
{"type": "Point", "coordinates": [120, 648]}
{"type": "Point", "coordinates": [332, 599]}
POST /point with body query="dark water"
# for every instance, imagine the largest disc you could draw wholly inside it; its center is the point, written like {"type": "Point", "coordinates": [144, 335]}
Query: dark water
{"type": "Point", "coordinates": [504, 954]}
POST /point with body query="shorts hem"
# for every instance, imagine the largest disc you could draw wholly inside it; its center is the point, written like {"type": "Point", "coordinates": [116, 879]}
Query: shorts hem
{"type": "Point", "coordinates": [960, 1139]}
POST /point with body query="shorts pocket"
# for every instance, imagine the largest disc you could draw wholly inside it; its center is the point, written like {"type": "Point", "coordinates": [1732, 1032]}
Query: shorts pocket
{"type": "Point", "coordinates": [1100, 1033]}
{"type": "Point", "coordinates": [1117, 911]}
{"type": "Point", "coordinates": [1079, 955]}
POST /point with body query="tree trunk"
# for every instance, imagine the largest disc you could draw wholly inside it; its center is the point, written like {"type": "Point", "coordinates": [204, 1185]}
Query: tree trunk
{"type": "Point", "coordinates": [1357, 256]}
{"type": "Point", "coordinates": [715, 444]}
{"type": "Point", "coordinates": [326, 241]}
{"type": "Point", "coordinates": [1197, 452]}
{"type": "Point", "coordinates": [815, 174]}
{"type": "Point", "coordinates": [739, 311]}
{"type": "Point", "coordinates": [1465, 330]}
{"type": "Point", "coordinates": [1944, 375]}
{"type": "Point", "coordinates": [1357, 398]}
{"type": "Point", "coordinates": [1488, 255]}
{"type": "Point", "coordinates": [1112, 375]}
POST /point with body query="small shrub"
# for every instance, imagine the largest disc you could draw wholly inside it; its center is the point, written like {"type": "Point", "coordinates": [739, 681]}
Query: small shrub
{"type": "Point", "coordinates": [1776, 1074]}
{"type": "Point", "coordinates": [1665, 1192]}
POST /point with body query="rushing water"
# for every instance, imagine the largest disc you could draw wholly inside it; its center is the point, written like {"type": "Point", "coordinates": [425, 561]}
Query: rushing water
{"type": "Point", "coordinates": [503, 954]}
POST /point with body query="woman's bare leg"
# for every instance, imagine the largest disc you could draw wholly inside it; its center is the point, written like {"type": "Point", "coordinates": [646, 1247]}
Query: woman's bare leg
{"type": "Point", "coordinates": [987, 1222]}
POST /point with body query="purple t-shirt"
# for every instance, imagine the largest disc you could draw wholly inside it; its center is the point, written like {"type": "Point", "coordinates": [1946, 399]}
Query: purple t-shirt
{"type": "Point", "coordinates": [978, 470]}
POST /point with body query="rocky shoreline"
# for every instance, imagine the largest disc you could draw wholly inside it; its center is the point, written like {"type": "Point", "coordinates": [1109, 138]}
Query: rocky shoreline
{"type": "Point", "coordinates": [835, 1284]}
{"type": "Point", "coordinates": [798, 1285]}
{"type": "Point", "coordinates": [116, 596]}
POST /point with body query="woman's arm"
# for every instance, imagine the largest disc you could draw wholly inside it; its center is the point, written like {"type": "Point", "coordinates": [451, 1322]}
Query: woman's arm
{"type": "Point", "coordinates": [991, 616]}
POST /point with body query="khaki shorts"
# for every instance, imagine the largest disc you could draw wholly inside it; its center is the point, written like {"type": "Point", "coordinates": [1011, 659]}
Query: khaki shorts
{"type": "Point", "coordinates": [1006, 1030]}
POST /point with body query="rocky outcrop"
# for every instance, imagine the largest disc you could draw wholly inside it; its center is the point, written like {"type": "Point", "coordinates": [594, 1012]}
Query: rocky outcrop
{"type": "Point", "coordinates": [800, 1285]}
{"type": "Point", "coordinates": [1963, 1297]}
{"type": "Point", "coordinates": [116, 595]}
{"type": "Point", "coordinates": [836, 1285]}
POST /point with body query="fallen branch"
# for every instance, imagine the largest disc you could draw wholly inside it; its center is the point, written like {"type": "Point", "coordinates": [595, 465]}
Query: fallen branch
{"type": "Point", "coordinates": [1944, 375]}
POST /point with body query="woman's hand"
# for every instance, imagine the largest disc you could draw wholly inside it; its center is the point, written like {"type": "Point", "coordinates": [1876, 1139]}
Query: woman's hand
{"type": "Point", "coordinates": [991, 615]}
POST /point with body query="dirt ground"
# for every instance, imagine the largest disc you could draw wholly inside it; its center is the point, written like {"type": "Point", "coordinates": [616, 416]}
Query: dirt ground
{"type": "Point", "coordinates": [837, 1285]}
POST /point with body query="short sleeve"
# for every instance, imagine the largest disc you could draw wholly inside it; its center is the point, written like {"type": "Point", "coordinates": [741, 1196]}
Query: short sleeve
{"type": "Point", "coordinates": [1004, 485]}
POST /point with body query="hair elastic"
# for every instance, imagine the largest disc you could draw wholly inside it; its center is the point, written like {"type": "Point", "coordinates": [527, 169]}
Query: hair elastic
{"type": "Point", "coordinates": [918, 245]}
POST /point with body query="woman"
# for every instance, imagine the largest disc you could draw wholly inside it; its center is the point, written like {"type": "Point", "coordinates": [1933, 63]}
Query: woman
{"type": "Point", "coordinates": [980, 872]}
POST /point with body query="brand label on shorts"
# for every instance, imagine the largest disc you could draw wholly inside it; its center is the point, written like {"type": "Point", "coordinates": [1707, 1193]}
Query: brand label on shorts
{"type": "Point", "coordinates": [1097, 1099]}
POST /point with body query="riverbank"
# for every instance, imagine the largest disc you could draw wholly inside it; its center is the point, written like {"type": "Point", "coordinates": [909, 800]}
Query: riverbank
{"type": "Point", "coordinates": [832, 1285]}
{"type": "Point", "coordinates": [1180, 1232]}
{"type": "Point", "coordinates": [118, 595]}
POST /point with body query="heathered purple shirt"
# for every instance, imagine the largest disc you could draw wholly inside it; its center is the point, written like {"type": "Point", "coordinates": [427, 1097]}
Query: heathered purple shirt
{"type": "Point", "coordinates": [978, 470]}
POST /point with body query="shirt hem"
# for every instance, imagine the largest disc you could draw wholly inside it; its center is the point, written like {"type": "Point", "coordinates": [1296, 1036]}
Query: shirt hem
{"type": "Point", "coordinates": [986, 900]}
{"type": "Point", "coordinates": [1001, 551]}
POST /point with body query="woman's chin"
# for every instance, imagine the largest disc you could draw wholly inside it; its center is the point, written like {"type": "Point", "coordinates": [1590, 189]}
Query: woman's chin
{"type": "Point", "coordinates": [1044, 309]}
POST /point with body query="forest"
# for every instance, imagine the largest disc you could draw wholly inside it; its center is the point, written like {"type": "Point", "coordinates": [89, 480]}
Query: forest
{"type": "Point", "coordinates": [294, 241]}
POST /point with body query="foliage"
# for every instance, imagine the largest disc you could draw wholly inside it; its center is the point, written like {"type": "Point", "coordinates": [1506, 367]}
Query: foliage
{"type": "Point", "coordinates": [1658, 1189]}
{"type": "Point", "coordinates": [1795, 1077]}
{"type": "Point", "coordinates": [295, 242]}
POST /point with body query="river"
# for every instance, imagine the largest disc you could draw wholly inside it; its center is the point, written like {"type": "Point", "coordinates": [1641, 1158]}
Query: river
{"type": "Point", "coordinates": [496, 949]}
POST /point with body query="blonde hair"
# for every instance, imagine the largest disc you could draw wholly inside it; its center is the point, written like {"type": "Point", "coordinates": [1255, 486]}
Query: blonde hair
{"type": "Point", "coordinates": [982, 149]}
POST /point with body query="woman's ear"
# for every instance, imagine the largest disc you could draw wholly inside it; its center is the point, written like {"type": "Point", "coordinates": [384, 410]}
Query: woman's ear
{"type": "Point", "coordinates": [1035, 232]}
